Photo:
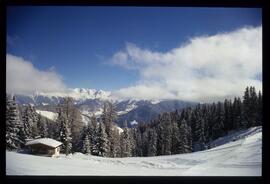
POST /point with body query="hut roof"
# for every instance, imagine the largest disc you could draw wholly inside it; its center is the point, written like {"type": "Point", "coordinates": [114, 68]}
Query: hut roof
{"type": "Point", "coordinates": [45, 141]}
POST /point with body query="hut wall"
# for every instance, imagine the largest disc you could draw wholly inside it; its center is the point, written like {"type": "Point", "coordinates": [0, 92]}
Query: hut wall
{"type": "Point", "coordinates": [42, 149]}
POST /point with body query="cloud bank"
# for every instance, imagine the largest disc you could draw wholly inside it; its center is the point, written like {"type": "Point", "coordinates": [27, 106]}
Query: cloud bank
{"type": "Point", "coordinates": [23, 78]}
{"type": "Point", "coordinates": [205, 69]}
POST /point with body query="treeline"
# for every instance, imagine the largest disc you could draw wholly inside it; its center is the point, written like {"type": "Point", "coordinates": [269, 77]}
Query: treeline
{"type": "Point", "coordinates": [193, 129]}
{"type": "Point", "coordinates": [171, 133]}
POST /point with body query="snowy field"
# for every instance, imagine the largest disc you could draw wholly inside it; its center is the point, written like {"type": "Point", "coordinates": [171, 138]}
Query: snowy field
{"type": "Point", "coordinates": [241, 157]}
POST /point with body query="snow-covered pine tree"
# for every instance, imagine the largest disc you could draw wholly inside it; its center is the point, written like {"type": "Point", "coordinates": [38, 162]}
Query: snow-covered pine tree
{"type": "Point", "coordinates": [184, 136]}
{"type": "Point", "coordinates": [54, 128]}
{"type": "Point", "coordinates": [160, 138]}
{"type": "Point", "coordinates": [74, 118]}
{"type": "Point", "coordinates": [152, 142]}
{"type": "Point", "coordinates": [145, 141]}
{"type": "Point", "coordinates": [102, 141]}
{"type": "Point", "coordinates": [25, 128]}
{"type": "Point", "coordinates": [86, 144]}
{"type": "Point", "coordinates": [108, 116]}
{"type": "Point", "coordinates": [115, 151]}
{"type": "Point", "coordinates": [226, 116]}
{"type": "Point", "coordinates": [199, 127]}
{"type": "Point", "coordinates": [188, 113]}
{"type": "Point", "coordinates": [64, 132]}
{"type": "Point", "coordinates": [42, 126]}
{"type": "Point", "coordinates": [133, 142]}
{"type": "Point", "coordinates": [31, 119]}
{"type": "Point", "coordinates": [176, 148]}
{"type": "Point", "coordinates": [189, 138]}
{"type": "Point", "coordinates": [218, 126]}
{"type": "Point", "coordinates": [28, 122]}
{"type": "Point", "coordinates": [125, 144]}
{"type": "Point", "coordinates": [94, 135]}
{"type": "Point", "coordinates": [35, 121]}
{"type": "Point", "coordinates": [167, 134]}
{"type": "Point", "coordinates": [138, 142]}
{"type": "Point", "coordinates": [210, 119]}
{"type": "Point", "coordinates": [13, 125]}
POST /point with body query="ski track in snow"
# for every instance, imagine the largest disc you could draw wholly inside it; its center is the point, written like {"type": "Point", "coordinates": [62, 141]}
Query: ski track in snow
{"type": "Point", "coordinates": [242, 157]}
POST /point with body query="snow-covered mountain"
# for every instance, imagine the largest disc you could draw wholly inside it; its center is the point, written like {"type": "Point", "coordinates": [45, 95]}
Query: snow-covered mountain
{"type": "Point", "coordinates": [52, 98]}
{"type": "Point", "coordinates": [239, 155]}
{"type": "Point", "coordinates": [90, 101]}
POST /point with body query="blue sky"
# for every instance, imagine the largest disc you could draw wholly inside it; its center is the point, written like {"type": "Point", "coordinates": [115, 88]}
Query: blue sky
{"type": "Point", "coordinates": [79, 42]}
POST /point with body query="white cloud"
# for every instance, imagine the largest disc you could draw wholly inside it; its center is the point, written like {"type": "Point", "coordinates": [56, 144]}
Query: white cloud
{"type": "Point", "coordinates": [207, 68]}
{"type": "Point", "coordinates": [23, 78]}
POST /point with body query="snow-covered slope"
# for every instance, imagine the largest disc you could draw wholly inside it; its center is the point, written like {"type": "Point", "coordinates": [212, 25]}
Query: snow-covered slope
{"type": "Point", "coordinates": [48, 114]}
{"type": "Point", "coordinates": [242, 157]}
{"type": "Point", "coordinates": [235, 135]}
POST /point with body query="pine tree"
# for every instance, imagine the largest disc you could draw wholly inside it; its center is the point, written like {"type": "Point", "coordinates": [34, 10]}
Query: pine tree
{"type": "Point", "coordinates": [74, 122]}
{"type": "Point", "coordinates": [198, 128]}
{"type": "Point", "coordinates": [34, 115]}
{"type": "Point", "coordinates": [259, 109]}
{"type": "Point", "coordinates": [94, 136]}
{"type": "Point", "coordinates": [212, 116]}
{"type": "Point", "coordinates": [226, 116]}
{"type": "Point", "coordinates": [183, 137]}
{"type": "Point", "coordinates": [13, 125]}
{"type": "Point", "coordinates": [205, 115]}
{"type": "Point", "coordinates": [250, 107]}
{"type": "Point", "coordinates": [145, 142]}
{"type": "Point", "coordinates": [134, 142]}
{"type": "Point", "coordinates": [64, 132]}
{"type": "Point", "coordinates": [237, 113]}
{"type": "Point", "coordinates": [42, 127]}
{"type": "Point", "coordinates": [167, 134]}
{"type": "Point", "coordinates": [138, 141]}
{"type": "Point", "coordinates": [30, 119]}
{"type": "Point", "coordinates": [125, 144]}
{"type": "Point", "coordinates": [102, 141]}
{"type": "Point", "coordinates": [188, 113]}
{"type": "Point", "coordinates": [108, 116]}
{"type": "Point", "coordinates": [253, 107]}
{"type": "Point", "coordinates": [116, 151]}
{"type": "Point", "coordinates": [218, 127]}
{"type": "Point", "coordinates": [246, 108]}
{"type": "Point", "coordinates": [160, 138]}
{"type": "Point", "coordinates": [176, 147]}
{"type": "Point", "coordinates": [86, 144]}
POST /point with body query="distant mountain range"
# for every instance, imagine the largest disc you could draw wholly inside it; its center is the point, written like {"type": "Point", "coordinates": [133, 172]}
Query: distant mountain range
{"type": "Point", "coordinates": [90, 101]}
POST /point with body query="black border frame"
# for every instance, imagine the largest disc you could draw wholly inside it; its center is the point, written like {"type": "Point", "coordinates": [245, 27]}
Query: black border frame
{"type": "Point", "coordinates": [141, 3]}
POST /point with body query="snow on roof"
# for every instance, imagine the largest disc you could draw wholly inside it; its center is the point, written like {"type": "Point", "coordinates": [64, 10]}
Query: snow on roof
{"type": "Point", "coordinates": [45, 141]}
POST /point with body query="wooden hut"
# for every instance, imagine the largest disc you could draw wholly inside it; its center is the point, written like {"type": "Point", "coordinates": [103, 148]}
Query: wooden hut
{"type": "Point", "coordinates": [44, 146]}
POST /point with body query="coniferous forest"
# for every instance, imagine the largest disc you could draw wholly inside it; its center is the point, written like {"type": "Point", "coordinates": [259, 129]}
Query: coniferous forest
{"type": "Point", "coordinates": [188, 130]}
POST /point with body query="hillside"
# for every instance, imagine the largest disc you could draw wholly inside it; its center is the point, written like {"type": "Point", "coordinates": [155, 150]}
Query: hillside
{"type": "Point", "coordinates": [240, 155]}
